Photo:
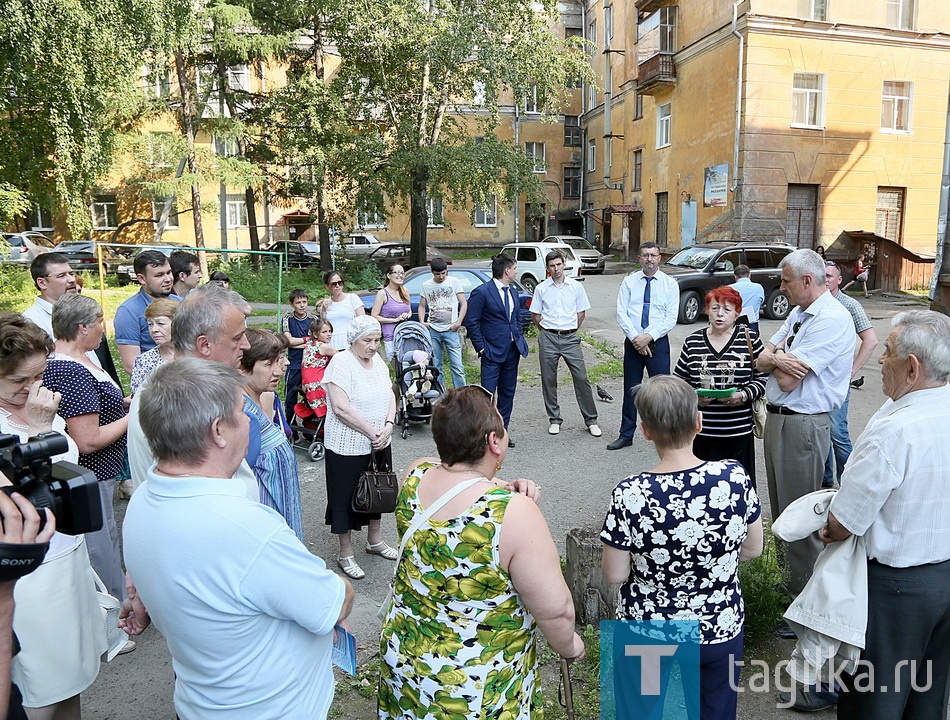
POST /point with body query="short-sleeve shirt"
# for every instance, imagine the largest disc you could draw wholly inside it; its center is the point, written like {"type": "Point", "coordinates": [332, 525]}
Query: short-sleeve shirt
{"type": "Point", "coordinates": [369, 391]}
{"type": "Point", "coordinates": [340, 315]}
{"type": "Point", "coordinates": [860, 318]}
{"type": "Point", "coordinates": [131, 327]}
{"type": "Point", "coordinates": [298, 328]}
{"type": "Point", "coordinates": [684, 531]}
{"type": "Point", "coordinates": [83, 393]}
{"type": "Point", "coordinates": [558, 305]}
{"type": "Point", "coordinates": [442, 302]}
{"type": "Point", "coordinates": [145, 364]}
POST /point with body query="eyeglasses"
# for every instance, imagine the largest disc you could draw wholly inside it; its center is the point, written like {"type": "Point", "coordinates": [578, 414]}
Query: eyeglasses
{"type": "Point", "coordinates": [335, 283]}
{"type": "Point", "coordinates": [400, 273]}
{"type": "Point", "coordinates": [791, 338]}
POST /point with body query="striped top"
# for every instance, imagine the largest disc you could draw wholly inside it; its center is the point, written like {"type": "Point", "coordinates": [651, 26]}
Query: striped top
{"type": "Point", "coordinates": [702, 366]}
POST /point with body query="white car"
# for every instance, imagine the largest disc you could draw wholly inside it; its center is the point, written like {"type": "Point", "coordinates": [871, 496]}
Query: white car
{"type": "Point", "coordinates": [590, 257]}
{"type": "Point", "coordinates": [532, 268]}
{"type": "Point", "coordinates": [357, 243]}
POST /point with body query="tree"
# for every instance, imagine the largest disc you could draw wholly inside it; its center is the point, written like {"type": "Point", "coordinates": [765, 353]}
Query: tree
{"type": "Point", "coordinates": [68, 70]}
{"type": "Point", "coordinates": [412, 63]}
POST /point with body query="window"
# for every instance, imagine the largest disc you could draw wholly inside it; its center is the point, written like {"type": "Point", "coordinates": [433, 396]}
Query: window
{"type": "Point", "coordinates": [572, 181]}
{"type": "Point", "coordinates": [573, 32]}
{"type": "Point", "coordinates": [591, 96]}
{"type": "Point", "coordinates": [237, 211]}
{"type": "Point", "coordinates": [531, 101]}
{"type": "Point", "coordinates": [371, 219]}
{"type": "Point", "coordinates": [656, 35]}
{"type": "Point", "coordinates": [41, 218]}
{"type": "Point", "coordinates": [663, 121]}
{"type": "Point", "coordinates": [900, 14]}
{"type": "Point", "coordinates": [888, 220]}
{"type": "Point", "coordinates": [434, 210]}
{"type": "Point", "coordinates": [172, 222]}
{"type": "Point", "coordinates": [479, 90]}
{"type": "Point", "coordinates": [156, 80]}
{"type": "Point", "coordinates": [813, 9]}
{"type": "Point", "coordinates": [592, 36]}
{"type": "Point", "coordinates": [209, 87]}
{"type": "Point", "coordinates": [662, 218]}
{"type": "Point", "coordinates": [487, 216]}
{"type": "Point", "coordinates": [895, 106]}
{"type": "Point", "coordinates": [226, 147]}
{"type": "Point", "coordinates": [572, 131]}
{"type": "Point", "coordinates": [758, 259]}
{"type": "Point", "coordinates": [808, 100]}
{"type": "Point", "coordinates": [591, 155]}
{"type": "Point", "coordinates": [535, 152]}
{"type": "Point", "coordinates": [637, 169]}
{"type": "Point", "coordinates": [801, 215]}
{"type": "Point", "coordinates": [105, 212]}
{"type": "Point", "coordinates": [637, 105]}
{"type": "Point", "coordinates": [159, 150]}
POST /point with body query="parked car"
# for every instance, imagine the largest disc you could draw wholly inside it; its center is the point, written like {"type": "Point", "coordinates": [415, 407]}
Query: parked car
{"type": "Point", "coordinates": [81, 254]}
{"type": "Point", "coordinates": [592, 261]}
{"type": "Point", "coordinates": [700, 268]}
{"type": "Point", "coordinates": [24, 246]}
{"type": "Point", "coordinates": [357, 243]}
{"type": "Point", "coordinates": [297, 253]}
{"type": "Point", "coordinates": [531, 266]}
{"type": "Point", "coordinates": [387, 254]}
{"type": "Point", "coordinates": [470, 276]}
{"type": "Point", "coordinates": [125, 268]}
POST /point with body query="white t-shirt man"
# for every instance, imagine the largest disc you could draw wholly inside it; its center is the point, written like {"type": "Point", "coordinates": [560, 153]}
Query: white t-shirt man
{"type": "Point", "coordinates": [442, 302]}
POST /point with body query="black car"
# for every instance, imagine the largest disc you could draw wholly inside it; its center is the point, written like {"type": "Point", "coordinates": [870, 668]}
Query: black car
{"type": "Point", "coordinates": [124, 266]}
{"type": "Point", "coordinates": [80, 253]}
{"type": "Point", "coordinates": [300, 254]}
{"type": "Point", "coordinates": [700, 268]}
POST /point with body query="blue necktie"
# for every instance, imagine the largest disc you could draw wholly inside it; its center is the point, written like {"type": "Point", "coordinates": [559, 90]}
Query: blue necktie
{"type": "Point", "coordinates": [507, 302]}
{"type": "Point", "coordinates": [645, 315]}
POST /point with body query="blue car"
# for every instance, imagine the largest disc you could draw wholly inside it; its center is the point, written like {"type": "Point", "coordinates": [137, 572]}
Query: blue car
{"type": "Point", "coordinates": [471, 276]}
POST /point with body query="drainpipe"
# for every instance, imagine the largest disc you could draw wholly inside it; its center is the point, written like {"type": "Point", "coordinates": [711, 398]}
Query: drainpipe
{"type": "Point", "coordinates": [942, 223]}
{"type": "Point", "coordinates": [735, 153]}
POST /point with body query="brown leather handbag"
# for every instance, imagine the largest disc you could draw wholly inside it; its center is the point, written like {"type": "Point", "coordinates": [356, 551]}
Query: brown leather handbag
{"type": "Point", "coordinates": [376, 490]}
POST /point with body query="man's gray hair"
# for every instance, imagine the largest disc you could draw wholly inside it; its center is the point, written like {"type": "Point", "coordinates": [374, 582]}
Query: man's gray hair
{"type": "Point", "coordinates": [71, 311]}
{"type": "Point", "coordinates": [179, 403]}
{"type": "Point", "coordinates": [805, 262]}
{"type": "Point", "coordinates": [926, 336]}
{"type": "Point", "coordinates": [668, 407]}
{"type": "Point", "coordinates": [202, 313]}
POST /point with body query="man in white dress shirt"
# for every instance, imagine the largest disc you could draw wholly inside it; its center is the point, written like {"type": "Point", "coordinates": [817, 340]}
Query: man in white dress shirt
{"type": "Point", "coordinates": [810, 361]}
{"type": "Point", "coordinates": [558, 309]}
{"type": "Point", "coordinates": [646, 311]}
{"type": "Point", "coordinates": [894, 493]}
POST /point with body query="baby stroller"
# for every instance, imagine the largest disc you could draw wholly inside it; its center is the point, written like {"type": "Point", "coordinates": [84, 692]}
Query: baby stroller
{"type": "Point", "coordinates": [417, 379]}
{"type": "Point", "coordinates": [309, 415]}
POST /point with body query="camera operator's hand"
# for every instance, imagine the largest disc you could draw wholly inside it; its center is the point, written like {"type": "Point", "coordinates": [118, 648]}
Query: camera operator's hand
{"type": "Point", "coordinates": [41, 406]}
{"type": "Point", "coordinates": [133, 618]}
{"type": "Point", "coordinates": [21, 521]}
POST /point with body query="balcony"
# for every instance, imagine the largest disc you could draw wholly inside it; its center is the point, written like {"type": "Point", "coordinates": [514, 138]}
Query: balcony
{"type": "Point", "coordinates": [656, 73]}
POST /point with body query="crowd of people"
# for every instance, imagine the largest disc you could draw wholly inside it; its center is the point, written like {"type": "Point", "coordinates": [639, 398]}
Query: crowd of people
{"type": "Point", "coordinates": [213, 538]}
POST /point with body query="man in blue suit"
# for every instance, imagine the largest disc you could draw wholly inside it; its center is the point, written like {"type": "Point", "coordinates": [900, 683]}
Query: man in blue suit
{"type": "Point", "coordinates": [494, 327]}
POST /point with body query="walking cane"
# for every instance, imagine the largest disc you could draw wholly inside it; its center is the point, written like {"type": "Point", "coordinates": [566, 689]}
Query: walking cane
{"type": "Point", "coordinates": [566, 690]}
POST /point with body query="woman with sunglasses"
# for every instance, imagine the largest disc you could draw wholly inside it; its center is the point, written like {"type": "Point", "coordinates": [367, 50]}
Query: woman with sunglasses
{"type": "Point", "coordinates": [340, 308]}
{"type": "Point", "coordinates": [392, 306]}
{"type": "Point", "coordinates": [478, 578]}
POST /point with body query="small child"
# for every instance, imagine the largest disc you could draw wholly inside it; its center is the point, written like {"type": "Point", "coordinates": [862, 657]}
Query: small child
{"type": "Point", "coordinates": [317, 352]}
{"type": "Point", "coordinates": [295, 326]}
{"type": "Point", "coordinates": [420, 382]}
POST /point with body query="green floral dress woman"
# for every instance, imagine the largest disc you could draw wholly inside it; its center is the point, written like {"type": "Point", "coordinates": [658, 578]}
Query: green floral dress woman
{"type": "Point", "coordinates": [457, 642]}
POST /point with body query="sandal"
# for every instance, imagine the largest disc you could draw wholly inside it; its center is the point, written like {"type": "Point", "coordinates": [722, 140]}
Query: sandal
{"type": "Point", "coordinates": [383, 550]}
{"type": "Point", "coordinates": [350, 568]}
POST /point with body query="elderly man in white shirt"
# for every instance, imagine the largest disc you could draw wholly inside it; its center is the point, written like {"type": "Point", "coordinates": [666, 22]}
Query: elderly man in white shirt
{"type": "Point", "coordinates": [558, 308]}
{"type": "Point", "coordinates": [810, 361]}
{"type": "Point", "coordinates": [647, 305]}
{"type": "Point", "coordinates": [895, 494]}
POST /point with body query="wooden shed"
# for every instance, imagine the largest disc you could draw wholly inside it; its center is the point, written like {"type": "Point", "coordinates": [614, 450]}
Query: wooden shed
{"type": "Point", "coordinates": [893, 267]}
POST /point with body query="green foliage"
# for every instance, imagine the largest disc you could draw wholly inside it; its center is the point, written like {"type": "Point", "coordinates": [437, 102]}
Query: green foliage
{"type": "Point", "coordinates": [261, 285]}
{"type": "Point", "coordinates": [18, 289]}
{"type": "Point", "coordinates": [13, 203]}
{"type": "Point", "coordinates": [762, 580]}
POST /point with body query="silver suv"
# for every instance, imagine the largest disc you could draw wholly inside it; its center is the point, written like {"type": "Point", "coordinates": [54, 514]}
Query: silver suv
{"type": "Point", "coordinates": [24, 247]}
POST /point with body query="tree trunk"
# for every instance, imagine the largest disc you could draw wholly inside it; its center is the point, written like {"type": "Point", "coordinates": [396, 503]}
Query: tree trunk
{"type": "Point", "coordinates": [418, 216]}
{"type": "Point", "coordinates": [188, 123]}
{"type": "Point", "coordinates": [255, 238]}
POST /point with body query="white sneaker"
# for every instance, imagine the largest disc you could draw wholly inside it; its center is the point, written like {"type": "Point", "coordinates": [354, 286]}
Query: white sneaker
{"type": "Point", "coordinates": [554, 429]}
{"type": "Point", "coordinates": [594, 430]}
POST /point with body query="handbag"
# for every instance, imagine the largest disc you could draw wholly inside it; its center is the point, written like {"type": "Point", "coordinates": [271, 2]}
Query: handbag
{"type": "Point", "coordinates": [417, 522]}
{"type": "Point", "coordinates": [758, 405]}
{"type": "Point", "coordinates": [376, 490]}
{"type": "Point", "coordinates": [110, 607]}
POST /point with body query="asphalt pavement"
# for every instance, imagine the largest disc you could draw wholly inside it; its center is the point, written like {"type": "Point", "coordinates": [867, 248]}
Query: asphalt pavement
{"type": "Point", "coordinates": [576, 470]}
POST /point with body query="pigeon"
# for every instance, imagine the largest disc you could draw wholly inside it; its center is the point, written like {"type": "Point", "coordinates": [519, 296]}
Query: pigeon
{"type": "Point", "coordinates": [603, 394]}
{"type": "Point", "coordinates": [857, 383]}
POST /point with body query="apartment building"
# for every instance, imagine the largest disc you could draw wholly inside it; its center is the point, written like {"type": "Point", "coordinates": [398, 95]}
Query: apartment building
{"type": "Point", "coordinates": [768, 120]}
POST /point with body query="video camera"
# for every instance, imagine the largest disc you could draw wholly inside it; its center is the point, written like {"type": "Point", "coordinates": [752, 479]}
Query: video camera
{"type": "Point", "coordinates": [71, 492]}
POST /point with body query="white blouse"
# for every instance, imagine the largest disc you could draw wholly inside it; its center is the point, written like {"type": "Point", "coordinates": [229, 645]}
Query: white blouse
{"type": "Point", "coordinates": [370, 393]}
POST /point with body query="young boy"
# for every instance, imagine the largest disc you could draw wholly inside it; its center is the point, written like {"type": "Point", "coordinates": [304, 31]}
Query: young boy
{"type": "Point", "coordinates": [296, 327]}
{"type": "Point", "coordinates": [445, 300]}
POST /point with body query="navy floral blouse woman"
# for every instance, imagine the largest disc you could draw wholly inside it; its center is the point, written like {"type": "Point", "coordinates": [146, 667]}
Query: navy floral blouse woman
{"type": "Point", "coordinates": [674, 537]}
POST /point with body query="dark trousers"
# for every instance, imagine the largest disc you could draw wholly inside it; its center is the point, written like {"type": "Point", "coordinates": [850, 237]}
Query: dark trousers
{"type": "Point", "coordinates": [633, 366]}
{"type": "Point", "coordinates": [292, 381]}
{"type": "Point", "coordinates": [907, 643]}
{"type": "Point", "coordinates": [503, 377]}
{"type": "Point", "coordinates": [740, 449]}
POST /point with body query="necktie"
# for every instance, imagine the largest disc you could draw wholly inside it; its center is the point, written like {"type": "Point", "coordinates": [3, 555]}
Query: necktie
{"type": "Point", "coordinates": [645, 315]}
{"type": "Point", "coordinates": [507, 302]}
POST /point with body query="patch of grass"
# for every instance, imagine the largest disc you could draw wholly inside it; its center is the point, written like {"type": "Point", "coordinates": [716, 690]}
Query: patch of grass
{"type": "Point", "coordinates": [608, 369]}
{"type": "Point", "coordinates": [585, 680]}
{"type": "Point", "coordinates": [603, 346]}
{"type": "Point", "coordinates": [261, 285]}
{"type": "Point", "coordinates": [762, 581]}
{"type": "Point", "coordinates": [18, 289]}
{"type": "Point", "coordinates": [485, 254]}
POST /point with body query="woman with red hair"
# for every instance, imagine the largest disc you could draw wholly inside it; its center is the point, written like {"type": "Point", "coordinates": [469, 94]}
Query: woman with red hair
{"type": "Point", "coordinates": [716, 360]}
